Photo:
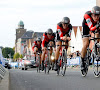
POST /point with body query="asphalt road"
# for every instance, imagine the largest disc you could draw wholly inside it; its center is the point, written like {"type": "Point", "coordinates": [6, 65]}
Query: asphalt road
{"type": "Point", "coordinates": [31, 80]}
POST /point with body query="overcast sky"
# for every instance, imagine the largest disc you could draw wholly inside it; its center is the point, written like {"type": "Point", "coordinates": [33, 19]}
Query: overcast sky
{"type": "Point", "coordinates": [38, 15]}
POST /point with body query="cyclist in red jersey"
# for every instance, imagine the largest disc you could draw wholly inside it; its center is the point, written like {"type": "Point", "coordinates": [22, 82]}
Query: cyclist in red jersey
{"type": "Point", "coordinates": [63, 32]}
{"type": "Point", "coordinates": [48, 38]}
{"type": "Point", "coordinates": [91, 22]}
{"type": "Point", "coordinates": [37, 46]}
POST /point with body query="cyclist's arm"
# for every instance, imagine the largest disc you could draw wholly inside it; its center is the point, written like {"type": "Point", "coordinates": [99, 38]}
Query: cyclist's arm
{"type": "Point", "coordinates": [89, 23]}
{"type": "Point", "coordinates": [33, 46]}
{"type": "Point", "coordinates": [43, 41]}
{"type": "Point", "coordinates": [59, 32]}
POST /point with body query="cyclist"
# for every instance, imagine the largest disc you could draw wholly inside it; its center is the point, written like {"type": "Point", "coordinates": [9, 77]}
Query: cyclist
{"type": "Point", "coordinates": [37, 46]}
{"type": "Point", "coordinates": [63, 33]}
{"type": "Point", "coordinates": [48, 38]}
{"type": "Point", "coordinates": [91, 22]}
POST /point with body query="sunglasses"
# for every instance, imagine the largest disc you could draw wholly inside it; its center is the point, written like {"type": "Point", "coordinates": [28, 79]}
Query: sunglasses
{"type": "Point", "coordinates": [65, 23]}
{"type": "Point", "coordinates": [49, 33]}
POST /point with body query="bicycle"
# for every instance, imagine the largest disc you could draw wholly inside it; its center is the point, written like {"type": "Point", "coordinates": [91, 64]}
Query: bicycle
{"type": "Point", "coordinates": [96, 56]}
{"type": "Point", "coordinates": [87, 59]}
{"type": "Point", "coordinates": [62, 60]}
{"type": "Point", "coordinates": [48, 64]}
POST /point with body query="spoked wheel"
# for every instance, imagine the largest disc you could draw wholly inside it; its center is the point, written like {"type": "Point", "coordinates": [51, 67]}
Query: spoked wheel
{"type": "Point", "coordinates": [58, 70]}
{"type": "Point", "coordinates": [45, 67]}
{"type": "Point", "coordinates": [85, 70]}
{"type": "Point", "coordinates": [38, 65]}
{"type": "Point", "coordinates": [64, 63]}
{"type": "Point", "coordinates": [38, 68]}
{"type": "Point", "coordinates": [96, 68]}
{"type": "Point", "coordinates": [96, 65]}
{"type": "Point", "coordinates": [48, 67]}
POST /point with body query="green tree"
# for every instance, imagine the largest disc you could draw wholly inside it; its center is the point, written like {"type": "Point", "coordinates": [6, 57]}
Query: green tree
{"type": "Point", "coordinates": [21, 56]}
{"type": "Point", "coordinates": [7, 52]}
{"type": "Point", "coordinates": [16, 56]}
{"type": "Point", "coordinates": [13, 48]}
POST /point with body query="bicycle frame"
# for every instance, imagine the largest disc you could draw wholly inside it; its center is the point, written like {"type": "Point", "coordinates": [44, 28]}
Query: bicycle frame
{"type": "Point", "coordinates": [62, 61]}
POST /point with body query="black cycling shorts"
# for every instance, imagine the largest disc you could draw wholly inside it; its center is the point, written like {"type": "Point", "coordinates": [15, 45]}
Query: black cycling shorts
{"type": "Point", "coordinates": [46, 43]}
{"type": "Point", "coordinates": [86, 30]}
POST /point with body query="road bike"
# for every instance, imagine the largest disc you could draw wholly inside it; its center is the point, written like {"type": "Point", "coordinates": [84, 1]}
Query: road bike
{"type": "Point", "coordinates": [62, 60]}
{"type": "Point", "coordinates": [48, 63]}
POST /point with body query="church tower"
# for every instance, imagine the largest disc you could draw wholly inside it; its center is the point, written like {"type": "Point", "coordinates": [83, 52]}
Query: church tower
{"type": "Point", "coordinates": [20, 30]}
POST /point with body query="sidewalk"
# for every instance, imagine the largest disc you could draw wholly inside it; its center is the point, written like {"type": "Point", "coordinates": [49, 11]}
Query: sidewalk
{"type": "Point", "coordinates": [4, 84]}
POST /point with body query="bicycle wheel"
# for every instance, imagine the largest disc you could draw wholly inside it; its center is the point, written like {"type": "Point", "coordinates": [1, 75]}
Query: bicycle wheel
{"type": "Point", "coordinates": [64, 62]}
{"type": "Point", "coordinates": [38, 64]}
{"type": "Point", "coordinates": [45, 66]}
{"type": "Point", "coordinates": [58, 70]}
{"type": "Point", "coordinates": [58, 65]}
{"type": "Point", "coordinates": [96, 66]}
{"type": "Point", "coordinates": [48, 67]}
{"type": "Point", "coordinates": [86, 61]}
{"type": "Point", "coordinates": [96, 60]}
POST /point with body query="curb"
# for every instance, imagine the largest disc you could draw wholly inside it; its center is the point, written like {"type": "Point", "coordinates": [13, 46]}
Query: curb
{"type": "Point", "coordinates": [4, 84]}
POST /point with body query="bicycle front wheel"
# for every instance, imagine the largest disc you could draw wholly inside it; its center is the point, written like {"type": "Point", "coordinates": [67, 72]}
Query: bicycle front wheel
{"type": "Point", "coordinates": [64, 62]}
{"type": "Point", "coordinates": [96, 63]}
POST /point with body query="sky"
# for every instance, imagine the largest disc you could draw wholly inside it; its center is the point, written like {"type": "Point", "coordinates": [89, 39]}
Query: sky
{"type": "Point", "coordinates": [38, 15]}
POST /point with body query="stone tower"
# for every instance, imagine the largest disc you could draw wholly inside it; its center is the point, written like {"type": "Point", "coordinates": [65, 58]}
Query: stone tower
{"type": "Point", "coordinates": [20, 31]}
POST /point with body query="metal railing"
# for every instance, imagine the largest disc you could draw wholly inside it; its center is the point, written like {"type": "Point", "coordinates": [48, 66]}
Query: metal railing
{"type": "Point", "coordinates": [2, 71]}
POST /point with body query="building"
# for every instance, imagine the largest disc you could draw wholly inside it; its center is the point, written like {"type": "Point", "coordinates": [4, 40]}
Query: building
{"type": "Point", "coordinates": [76, 39]}
{"type": "Point", "coordinates": [24, 40]}
{"type": "Point", "coordinates": [19, 32]}
{"type": "Point", "coordinates": [98, 2]}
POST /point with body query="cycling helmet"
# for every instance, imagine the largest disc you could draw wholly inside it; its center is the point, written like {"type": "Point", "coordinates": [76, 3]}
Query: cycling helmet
{"type": "Point", "coordinates": [50, 31]}
{"type": "Point", "coordinates": [95, 10]}
{"type": "Point", "coordinates": [66, 20]}
{"type": "Point", "coordinates": [38, 39]}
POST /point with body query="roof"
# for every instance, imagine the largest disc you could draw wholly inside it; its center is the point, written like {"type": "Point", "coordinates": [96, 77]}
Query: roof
{"type": "Point", "coordinates": [38, 34]}
{"type": "Point", "coordinates": [27, 35]}
{"type": "Point", "coordinates": [21, 23]}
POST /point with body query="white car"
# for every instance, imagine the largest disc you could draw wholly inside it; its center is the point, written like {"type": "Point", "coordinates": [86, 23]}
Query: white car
{"type": "Point", "coordinates": [28, 64]}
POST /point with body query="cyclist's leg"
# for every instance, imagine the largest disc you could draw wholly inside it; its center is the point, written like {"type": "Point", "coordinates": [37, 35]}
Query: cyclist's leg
{"type": "Point", "coordinates": [84, 50]}
{"type": "Point", "coordinates": [43, 57]}
{"type": "Point", "coordinates": [85, 40]}
{"type": "Point", "coordinates": [51, 43]}
{"type": "Point", "coordinates": [57, 53]}
{"type": "Point", "coordinates": [35, 51]}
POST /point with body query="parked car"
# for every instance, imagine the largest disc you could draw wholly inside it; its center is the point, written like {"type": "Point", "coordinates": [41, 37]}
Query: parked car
{"type": "Point", "coordinates": [33, 64]}
{"type": "Point", "coordinates": [7, 64]}
{"type": "Point", "coordinates": [28, 64]}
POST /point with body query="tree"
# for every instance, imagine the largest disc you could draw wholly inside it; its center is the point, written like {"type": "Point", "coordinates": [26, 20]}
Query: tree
{"type": "Point", "coordinates": [13, 48]}
{"type": "Point", "coordinates": [16, 56]}
{"type": "Point", "coordinates": [7, 51]}
{"type": "Point", "coordinates": [21, 56]}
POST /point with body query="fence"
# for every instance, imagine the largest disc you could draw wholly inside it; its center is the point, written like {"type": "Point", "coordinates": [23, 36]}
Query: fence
{"type": "Point", "coordinates": [2, 72]}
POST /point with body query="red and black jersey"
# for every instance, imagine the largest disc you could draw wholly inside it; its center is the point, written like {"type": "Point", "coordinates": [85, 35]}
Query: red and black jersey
{"type": "Point", "coordinates": [36, 45]}
{"type": "Point", "coordinates": [62, 32]}
{"type": "Point", "coordinates": [88, 21]}
{"type": "Point", "coordinates": [46, 40]}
